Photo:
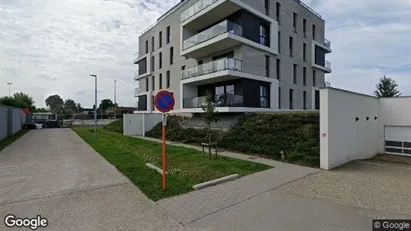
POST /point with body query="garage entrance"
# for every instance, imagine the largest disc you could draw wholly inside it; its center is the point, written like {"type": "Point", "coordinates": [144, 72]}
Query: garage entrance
{"type": "Point", "coordinates": [398, 140]}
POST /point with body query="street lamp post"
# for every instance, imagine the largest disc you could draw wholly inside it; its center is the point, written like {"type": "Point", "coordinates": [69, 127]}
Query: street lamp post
{"type": "Point", "coordinates": [95, 105]}
{"type": "Point", "coordinates": [9, 87]}
{"type": "Point", "coordinates": [115, 105]}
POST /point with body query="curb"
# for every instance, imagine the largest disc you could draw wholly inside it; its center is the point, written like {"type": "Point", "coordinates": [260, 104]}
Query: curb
{"type": "Point", "coordinates": [216, 181]}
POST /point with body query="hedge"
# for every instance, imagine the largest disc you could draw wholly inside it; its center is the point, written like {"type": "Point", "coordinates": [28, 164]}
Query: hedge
{"type": "Point", "coordinates": [115, 126]}
{"type": "Point", "coordinates": [295, 133]}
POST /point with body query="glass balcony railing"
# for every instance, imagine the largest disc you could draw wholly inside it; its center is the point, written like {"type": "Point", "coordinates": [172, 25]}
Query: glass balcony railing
{"type": "Point", "coordinates": [327, 43]}
{"type": "Point", "coordinates": [211, 67]}
{"type": "Point", "coordinates": [194, 9]}
{"type": "Point", "coordinates": [136, 91]}
{"type": "Point", "coordinates": [328, 64]}
{"type": "Point", "coordinates": [221, 28]}
{"type": "Point", "coordinates": [225, 100]}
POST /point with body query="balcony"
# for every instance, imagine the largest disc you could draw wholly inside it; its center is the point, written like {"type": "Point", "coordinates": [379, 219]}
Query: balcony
{"type": "Point", "coordinates": [194, 9]}
{"type": "Point", "coordinates": [135, 58]}
{"type": "Point", "coordinates": [212, 67]}
{"type": "Point", "coordinates": [327, 43]}
{"type": "Point", "coordinates": [327, 64]}
{"type": "Point", "coordinates": [136, 91]}
{"type": "Point", "coordinates": [225, 100]}
{"type": "Point", "coordinates": [225, 34]}
{"type": "Point", "coordinates": [326, 67]}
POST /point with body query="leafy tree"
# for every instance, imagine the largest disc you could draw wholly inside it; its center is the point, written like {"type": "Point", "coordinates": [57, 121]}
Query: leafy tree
{"type": "Point", "coordinates": [106, 104]}
{"type": "Point", "coordinates": [387, 87]}
{"type": "Point", "coordinates": [8, 101]}
{"type": "Point", "coordinates": [55, 102]}
{"type": "Point", "coordinates": [23, 100]}
{"type": "Point", "coordinates": [42, 110]}
{"type": "Point", "coordinates": [210, 115]}
{"type": "Point", "coordinates": [79, 108]}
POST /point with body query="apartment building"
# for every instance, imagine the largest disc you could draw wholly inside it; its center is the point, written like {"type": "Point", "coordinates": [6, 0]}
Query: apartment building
{"type": "Point", "coordinates": [251, 55]}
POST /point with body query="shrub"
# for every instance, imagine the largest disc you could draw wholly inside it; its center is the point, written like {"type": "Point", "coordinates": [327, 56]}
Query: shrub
{"type": "Point", "coordinates": [115, 126]}
{"type": "Point", "coordinates": [295, 133]}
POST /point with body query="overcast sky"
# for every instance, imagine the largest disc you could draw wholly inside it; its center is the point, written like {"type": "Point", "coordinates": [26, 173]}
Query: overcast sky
{"type": "Point", "coordinates": [50, 47]}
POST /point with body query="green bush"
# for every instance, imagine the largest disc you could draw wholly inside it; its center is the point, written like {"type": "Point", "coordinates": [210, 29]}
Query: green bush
{"type": "Point", "coordinates": [115, 126]}
{"type": "Point", "coordinates": [295, 133]}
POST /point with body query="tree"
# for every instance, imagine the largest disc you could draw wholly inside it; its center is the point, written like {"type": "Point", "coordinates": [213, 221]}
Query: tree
{"type": "Point", "coordinates": [79, 108]}
{"type": "Point", "coordinates": [42, 110]}
{"type": "Point", "coordinates": [210, 115]}
{"type": "Point", "coordinates": [70, 106]}
{"type": "Point", "coordinates": [387, 87]}
{"type": "Point", "coordinates": [23, 100]}
{"type": "Point", "coordinates": [105, 104]}
{"type": "Point", "coordinates": [55, 103]}
{"type": "Point", "coordinates": [8, 101]}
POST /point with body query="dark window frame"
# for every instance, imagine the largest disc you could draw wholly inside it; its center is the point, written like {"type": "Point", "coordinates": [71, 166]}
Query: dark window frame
{"type": "Point", "coordinates": [279, 97]}
{"type": "Point", "coordinates": [265, 94]}
{"type": "Point", "coordinates": [160, 81]}
{"type": "Point", "coordinates": [152, 44]}
{"type": "Point", "coordinates": [305, 100]}
{"type": "Point", "coordinates": [277, 12]}
{"type": "Point", "coordinates": [304, 76]}
{"type": "Point", "coordinates": [291, 98]}
{"type": "Point", "coordinates": [160, 39]}
{"type": "Point", "coordinates": [314, 29]}
{"type": "Point", "coordinates": [267, 7]}
{"type": "Point", "coordinates": [153, 83]}
{"type": "Point", "coordinates": [160, 60]}
{"type": "Point", "coordinates": [267, 66]}
{"type": "Point", "coordinates": [168, 34]}
{"type": "Point", "coordinates": [264, 35]}
{"type": "Point", "coordinates": [152, 64]}
{"type": "Point", "coordinates": [167, 79]}
{"type": "Point", "coordinates": [314, 78]}
{"type": "Point", "coordinates": [295, 22]}
{"type": "Point", "coordinates": [291, 46]}
{"type": "Point", "coordinates": [147, 83]}
{"type": "Point", "coordinates": [171, 55]}
{"type": "Point", "coordinates": [304, 52]}
{"type": "Point", "coordinates": [278, 66]}
{"type": "Point", "coordinates": [294, 73]}
{"type": "Point", "coordinates": [305, 27]}
{"type": "Point", "coordinates": [146, 46]}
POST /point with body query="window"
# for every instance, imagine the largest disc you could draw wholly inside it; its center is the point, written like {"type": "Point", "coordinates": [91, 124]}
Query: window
{"type": "Point", "coordinates": [267, 66]}
{"type": "Point", "coordinates": [168, 79]}
{"type": "Point", "coordinates": [160, 39]}
{"type": "Point", "coordinates": [264, 98]}
{"type": "Point", "coordinates": [305, 52]}
{"type": "Point", "coordinates": [160, 60]}
{"type": "Point", "coordinates": [153, 83]}
{"type": "Point", "coordinates": [168, 36]}
{"type": "Point", "coordinates": [304, 76]}
{"type": "Point", "coordinates": [279, 42]}
{"type": "Point", "coordinates": [277, 11]}
{"type": "Point", "coordinates": [152, 63]}
{"type": "Point", "coordinates": [183, 67]}
{"type": "Point", "coordinates": [313, 32]}
{"type": "Point", "coordinates": [146, 46]}
{"type": "Point", "coordinates": [305, 100]}
{"type": "Point", "coordinates": [171, 55]}
{"type": "Point", "coordinates": [160, 81]}
{"type": "Point", "coordinates": [290, 44]}
{"type": "Point", "coordinates": [200, 62]}
{"type": "Point", "coordinates": [278, 68]}
{"type": "Point", "coordinates": [152, 44]}
{"type": "Point", "coordinates": [279, 97]}
{"type": "Point", "coordinates": [291, 95]}
{"type": "Point", "coordinates": [152, 103]}
{"type": "Point", "coordinates": [295, 21]}
{"type": "Point", "coordinates": [264, 38]}
{"type": "Point", "coordinates": [147, 84]}
{"type": "Point", "coordinates": [305, 28]}
{"type": "Point", "coordinates": [314, 78]}
{"type": "Point", "coordinates": [295, 73]}
{"type": "Point", "coordinates": [266, 6]}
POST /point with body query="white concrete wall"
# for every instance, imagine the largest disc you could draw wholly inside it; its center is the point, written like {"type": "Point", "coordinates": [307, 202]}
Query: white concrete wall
{"type": "Point", "coordinates": [138, 124]}
{"type": "Point", "coordinates": [342, 138]}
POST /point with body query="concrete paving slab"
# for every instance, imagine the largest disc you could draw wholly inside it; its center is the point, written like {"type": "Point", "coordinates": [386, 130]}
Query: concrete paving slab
{"type": "Point", "coordinates": [271, 211]}
{"type": "Point", "coordinates": [381, 186]}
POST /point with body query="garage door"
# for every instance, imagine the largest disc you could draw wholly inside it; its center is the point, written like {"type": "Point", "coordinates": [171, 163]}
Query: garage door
{"type": "Point", "coordinates": [398, 140]}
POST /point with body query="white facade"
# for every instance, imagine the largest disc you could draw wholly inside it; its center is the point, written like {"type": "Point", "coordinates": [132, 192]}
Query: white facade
{"type": "Point", "coordinates": [352, 125]}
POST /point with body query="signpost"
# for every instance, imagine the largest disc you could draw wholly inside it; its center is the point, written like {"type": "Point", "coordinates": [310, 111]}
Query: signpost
{"type": "Point", "coordinates": [164, 102]}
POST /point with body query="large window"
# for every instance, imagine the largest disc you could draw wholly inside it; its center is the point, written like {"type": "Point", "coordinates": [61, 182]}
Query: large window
{"type": "Point", "coordinates": [160, 60]}
{"type": "Point", "coordinates": [264, 35]}
{"type": "Point", "coordinates": [171, 55]}
{"type": "Point", "coordinates": [168, 35]}
{"type": "Point", "coordinates": [160, 39]}
{"type": "Point", "coordinates": [291, 45]}
{"type": "Point", "coordinates": [168, 79]}
{"type": "Point", "coordinates": [267, 66]}
{"type": "Point", "coordinates": [264, 97]}
{"type": "Point", "coordinates": [160, 81]}
{"type": "Point", "coordinates": [291, 96]}
{"type": "Point", "coordinates": [152, 44]}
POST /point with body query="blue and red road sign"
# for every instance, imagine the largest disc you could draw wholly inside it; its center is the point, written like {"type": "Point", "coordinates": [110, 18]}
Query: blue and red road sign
{"type": "Point", "coordinates": [164, 101]}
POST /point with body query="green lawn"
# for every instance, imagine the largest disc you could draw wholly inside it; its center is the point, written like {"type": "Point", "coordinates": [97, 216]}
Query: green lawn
{"type": "Point", "coordinates": [186, 166]}
{"type": "Point", "coordinates": [11, 139]}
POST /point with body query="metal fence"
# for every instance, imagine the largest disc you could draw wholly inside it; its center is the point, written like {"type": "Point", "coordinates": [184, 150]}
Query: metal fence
{"type": "Point", "coordinates": [12, 121]}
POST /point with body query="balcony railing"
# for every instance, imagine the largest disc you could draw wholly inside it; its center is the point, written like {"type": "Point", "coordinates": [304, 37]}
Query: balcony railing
{"type": "Point", "coordinates": [225, 100]}
{"type": "Point", "coordinates": [135, 57]}
{"type": "Point", "coordinates": [194, 9]}
{"type": "Point", "coordinates": [221, 28]}
{"type": "Point", "coordinates": [327, 43]}
{"type": "Point", "coordinates": [136, 74]}
{"type": "Point", "coordinates": [328, 64]}
{"type": "Point", "coordinates": [136, 91]}
{"type": "Point", "coordinates": [211, 67]}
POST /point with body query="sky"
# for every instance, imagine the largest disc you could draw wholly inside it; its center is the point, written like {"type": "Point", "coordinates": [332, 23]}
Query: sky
{"type": "Point", "coordinates": [51, 47]}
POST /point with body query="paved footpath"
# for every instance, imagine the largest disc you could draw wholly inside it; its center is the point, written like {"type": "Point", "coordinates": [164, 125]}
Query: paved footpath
{"type": "Point", "coordinates": [55, 174]}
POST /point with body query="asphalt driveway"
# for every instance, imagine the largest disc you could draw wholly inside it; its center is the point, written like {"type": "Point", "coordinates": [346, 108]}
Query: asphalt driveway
{"type": "Point", "coordinates": [55, 174]}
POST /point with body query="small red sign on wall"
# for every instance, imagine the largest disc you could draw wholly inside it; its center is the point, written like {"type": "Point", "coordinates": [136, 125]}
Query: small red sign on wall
{"type": "Point", "coordinates": [323, 135]}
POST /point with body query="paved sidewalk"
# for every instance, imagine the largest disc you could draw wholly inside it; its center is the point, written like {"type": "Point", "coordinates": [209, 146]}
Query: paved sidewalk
{"type": "Point", "coordinates": [55, 174]}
